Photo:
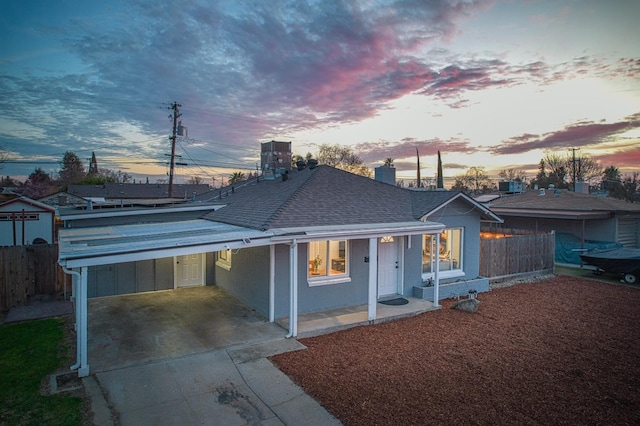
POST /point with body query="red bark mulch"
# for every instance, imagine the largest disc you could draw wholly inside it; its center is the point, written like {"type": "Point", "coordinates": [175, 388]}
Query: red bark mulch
{"type": "Point", "coordinates": [560, 351]}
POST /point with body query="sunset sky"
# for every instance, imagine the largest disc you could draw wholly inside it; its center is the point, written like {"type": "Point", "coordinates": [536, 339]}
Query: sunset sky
{"type": "Point", "coordinates": [488, 83]}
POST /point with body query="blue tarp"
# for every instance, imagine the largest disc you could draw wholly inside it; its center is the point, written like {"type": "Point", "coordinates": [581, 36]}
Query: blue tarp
{"type": "Point", "coordinates": [569, 248]}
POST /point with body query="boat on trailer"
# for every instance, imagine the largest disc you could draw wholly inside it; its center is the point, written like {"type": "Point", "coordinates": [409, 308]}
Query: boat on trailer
{"type": "Point", "coordinates": [623, 261]}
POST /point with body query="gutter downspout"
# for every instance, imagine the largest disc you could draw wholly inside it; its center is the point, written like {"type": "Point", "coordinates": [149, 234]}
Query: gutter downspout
{"type": "Point", "coordinates": [79, 294]}
{"type": "Point", "coordinates": [293, 290]}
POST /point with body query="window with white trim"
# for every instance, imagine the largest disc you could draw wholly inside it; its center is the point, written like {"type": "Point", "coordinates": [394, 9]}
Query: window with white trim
{"type": "Point", "coordinates": [224, 259]}
{"type": "Point", "coordinates": [448, 254]}
{"type": "Point", "coordinates": [328, 259]}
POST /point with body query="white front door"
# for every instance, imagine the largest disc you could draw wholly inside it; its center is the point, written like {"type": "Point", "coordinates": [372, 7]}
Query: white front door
{"type": "Point", "coordinates": [189, 270]}
{"type": "Point", "coordinates": [388, 266]}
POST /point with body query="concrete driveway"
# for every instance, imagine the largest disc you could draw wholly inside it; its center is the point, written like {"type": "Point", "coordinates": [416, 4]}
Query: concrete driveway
{"type": "Point", "coordinates": [190, 356]}
{"type": "Point", "coordinates": [141, 328]}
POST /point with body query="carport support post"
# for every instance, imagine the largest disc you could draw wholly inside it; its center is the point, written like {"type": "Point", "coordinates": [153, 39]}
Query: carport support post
{"type": "Point", "coordinates": [293, 289]}
{"type": "Point", "coordinates": [272, 283]}
{"type": "Point", "coordinates": [373, 278]}
{"type": "Point", "coordinates": [79, 297]}
{"type": "Point", "coordinates": [81, 307]}
{"type": "Point", "coordinates": [436, 278]}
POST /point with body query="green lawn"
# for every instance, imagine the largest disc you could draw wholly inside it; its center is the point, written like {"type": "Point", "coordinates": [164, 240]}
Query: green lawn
{"type": "Point", "coordinates": [29, 352]}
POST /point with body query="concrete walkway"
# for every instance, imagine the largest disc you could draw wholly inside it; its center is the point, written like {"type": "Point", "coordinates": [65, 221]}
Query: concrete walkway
{"type": "Point", "coordinates": [235, 386]}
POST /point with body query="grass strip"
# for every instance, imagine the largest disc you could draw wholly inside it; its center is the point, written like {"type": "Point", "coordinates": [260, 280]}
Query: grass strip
{"type": "Point", "coordinates": [29, 352]}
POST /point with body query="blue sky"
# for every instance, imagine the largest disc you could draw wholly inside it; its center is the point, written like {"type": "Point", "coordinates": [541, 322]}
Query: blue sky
{"type": "Point", "coordinates": [488, 83]}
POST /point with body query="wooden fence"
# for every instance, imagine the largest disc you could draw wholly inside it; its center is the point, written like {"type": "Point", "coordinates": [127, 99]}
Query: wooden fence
{"type": "Point", "coordinates": [27, 271]}
{"type": "Point", "coordinates": [506, 253]}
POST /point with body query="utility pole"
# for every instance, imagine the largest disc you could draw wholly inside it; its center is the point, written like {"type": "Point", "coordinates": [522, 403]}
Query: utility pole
{"type": "Point", "coordinates": [418, 170]}
{"type": "Point", "coordinates": [176, 114]}
{"type": "Point", "coordinates": [574, 168]}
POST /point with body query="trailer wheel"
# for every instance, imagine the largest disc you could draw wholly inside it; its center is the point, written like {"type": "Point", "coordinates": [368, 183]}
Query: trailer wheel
{"type": "Point", "coordinates": [630, 278]}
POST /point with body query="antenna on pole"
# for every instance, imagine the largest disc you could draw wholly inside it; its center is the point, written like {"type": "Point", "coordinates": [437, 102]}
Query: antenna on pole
{"type": "Point", "coordinates": [176, 113]}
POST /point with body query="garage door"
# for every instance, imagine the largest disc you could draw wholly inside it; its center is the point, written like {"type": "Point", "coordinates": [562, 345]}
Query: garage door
{"type": "Point", "coordinates": [628, 232]}
{"type": "Point", "coordinates": [130, 277]}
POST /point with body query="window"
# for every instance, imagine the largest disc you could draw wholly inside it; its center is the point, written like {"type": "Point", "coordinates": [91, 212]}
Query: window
{"type": "Point", "coordinates": [328, 259]}
{"type": "Point", "coordinates": [19, 216]}
{"type": "Point", "coordinates": [448, 255]}
{"type": "Point", "coordinates": [224, 259]}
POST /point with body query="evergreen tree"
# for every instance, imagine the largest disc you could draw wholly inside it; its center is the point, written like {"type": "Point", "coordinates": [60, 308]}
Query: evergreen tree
{"type": "Point", "coordinates": [72, 170]}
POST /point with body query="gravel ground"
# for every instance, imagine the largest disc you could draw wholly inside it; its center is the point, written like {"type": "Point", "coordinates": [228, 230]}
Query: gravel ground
{"type": "Point", "coordinates": [564, 350]}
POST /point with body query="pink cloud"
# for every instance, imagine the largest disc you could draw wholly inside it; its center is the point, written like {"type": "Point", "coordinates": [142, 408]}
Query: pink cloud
{"type": "Point", "coordinates": [576, 135]}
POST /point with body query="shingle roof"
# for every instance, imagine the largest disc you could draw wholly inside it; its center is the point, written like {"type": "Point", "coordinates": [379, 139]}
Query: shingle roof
{"type": "Point", "coordinates": [326, 196]}
{"type": "Point", "coordinates": [316, 197]}
{"type": "Point", "coordinates": [426, 201]}
{"type": "Point", "coordinates": [562, 200]}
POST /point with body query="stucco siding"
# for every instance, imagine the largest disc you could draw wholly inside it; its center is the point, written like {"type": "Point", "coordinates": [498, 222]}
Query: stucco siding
{"type": "Point", "coordinates": [248, 277]}
{"type": "Point", "coordinates": [412, 264]}
{"type": "Point", "coordinates": [314, 298]}
{"type": "Point", "coordinates": [470, 222]}
{"type": "Point", "coordinates": [41, 228]}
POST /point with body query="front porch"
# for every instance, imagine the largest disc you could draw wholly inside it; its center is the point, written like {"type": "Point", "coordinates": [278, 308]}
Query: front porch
{"type": "Point", "coordinates": [318, 323]}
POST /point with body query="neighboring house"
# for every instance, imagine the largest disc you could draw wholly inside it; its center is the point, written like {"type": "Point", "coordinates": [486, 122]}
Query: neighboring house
{"type": "Point", "coordinates": [24, 221]}
{"type": "Point", "coordinates": [136, 194]}
{"type": "Point", "coordinates": [63, 199]}
{"type": "Point", "coordinates": [586, 217]}
{"type": "Point", "coordinates": [314, 240]}
{"type": "Point", "coordinates": [8, 193]}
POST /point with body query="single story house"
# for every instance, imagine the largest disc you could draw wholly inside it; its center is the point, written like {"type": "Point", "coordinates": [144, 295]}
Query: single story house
{"type": "Point", "coordinates": [24, 221]}
{"type": "Point", "coordinates": [587, 218]}
{"type": "Point", "coordinates": [314, 240]}
{"type": "Point", "coordinates": [109, 195]}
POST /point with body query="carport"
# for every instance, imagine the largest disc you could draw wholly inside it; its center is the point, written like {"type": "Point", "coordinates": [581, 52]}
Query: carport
{"type": "Point", "coordinates": [127, 316]}
{"type": "Point", "coordinates": [147, 327]}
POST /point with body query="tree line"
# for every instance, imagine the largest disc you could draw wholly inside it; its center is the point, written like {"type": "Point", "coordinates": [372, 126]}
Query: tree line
{"type": "Point", "coordinates": [563, 172]}
{"type": "Point", "coordinates": [72, 171]}
{"type": "Point", "coordinates": [557, 171]}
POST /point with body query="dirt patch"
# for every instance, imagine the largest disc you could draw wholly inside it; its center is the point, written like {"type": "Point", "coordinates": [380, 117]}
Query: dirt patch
{"type": "Point", "coordinates": [560, 351]}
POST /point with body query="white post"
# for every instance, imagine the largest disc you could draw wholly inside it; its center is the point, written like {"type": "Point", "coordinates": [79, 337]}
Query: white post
{"type": "Point", "coordinates": [272, 283]}
{"type": "Point", "coordinates": [436, 280]}
{"type": "Point", "coordinates": [293, 289]}
{"type": "Point", "coordinates": [82, 308]}
{"type": "Point", "coordinates": [373, 278]}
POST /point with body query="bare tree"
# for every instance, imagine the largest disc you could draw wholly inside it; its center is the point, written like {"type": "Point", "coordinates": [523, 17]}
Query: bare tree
{"type": "Point", "coordinates": [585, 168]}
{"type": "Point", "coordinates": [510, 175]}
{"type": "Point", "coordinates": [342, 157]}
{"type": "Point", "coordinates": [4, 155]}
{"type": "Point", "coordinates": [195, 180]}
{"type": "Point", "coordinates": [475, 179]}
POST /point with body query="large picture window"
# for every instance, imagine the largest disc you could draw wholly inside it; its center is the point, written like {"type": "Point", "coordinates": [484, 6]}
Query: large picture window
{"type": "Point", "coordinates": [448, 254]}
{"type": "Point", "coordinates": [328, 259]}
